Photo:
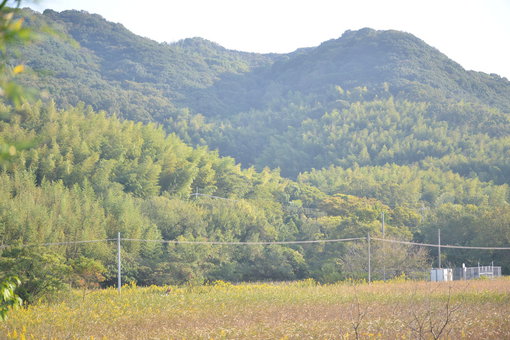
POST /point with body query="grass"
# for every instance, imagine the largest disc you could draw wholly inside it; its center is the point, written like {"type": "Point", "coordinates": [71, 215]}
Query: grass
{"type": "Point", "coordinates": [298, 310]}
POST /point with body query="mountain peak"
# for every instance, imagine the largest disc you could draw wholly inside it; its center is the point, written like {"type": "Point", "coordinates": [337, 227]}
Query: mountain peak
{"type": "Point", "coordinates": [195, 68]}
{"type": "Point", "coordinates": [199, 43]}
{"type": "Point", "coordinates": [369, 57]}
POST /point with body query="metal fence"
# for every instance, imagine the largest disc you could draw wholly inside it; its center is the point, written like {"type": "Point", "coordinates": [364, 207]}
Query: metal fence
{"type": "Point", "coordinates": [470, 273]}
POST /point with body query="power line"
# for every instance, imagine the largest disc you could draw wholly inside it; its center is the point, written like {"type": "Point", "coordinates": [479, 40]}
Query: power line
{"type": "Point", "coordinates": [248, 243]}
{"type": "Point", "coordinates": [253, 243]}
{"type": "Point", "coordinates": [439, 245]}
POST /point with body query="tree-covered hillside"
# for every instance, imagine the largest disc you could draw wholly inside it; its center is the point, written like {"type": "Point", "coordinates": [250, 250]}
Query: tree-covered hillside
{"type": "Point", "coordinates": [193, 142]}
{"type": "Point", "coordinates": [367, 98]}
{"type": "Point", "coordinates": [89, 176]}
{"type": "Point", "coordinates": [85, 58]}
{"type": "Point", "coordinates": [470, 139]}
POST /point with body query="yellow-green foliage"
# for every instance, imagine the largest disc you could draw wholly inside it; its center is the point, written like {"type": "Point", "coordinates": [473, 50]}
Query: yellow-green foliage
{"type": "Point", "coordinates": [297, 310]}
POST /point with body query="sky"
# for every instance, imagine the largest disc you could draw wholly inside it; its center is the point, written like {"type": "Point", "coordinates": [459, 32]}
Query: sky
{"type": "Point", "coordinates": [474, 33]}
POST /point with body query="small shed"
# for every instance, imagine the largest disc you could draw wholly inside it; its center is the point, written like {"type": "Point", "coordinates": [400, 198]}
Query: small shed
{"type": "Point", "coordinates": [441, 274]}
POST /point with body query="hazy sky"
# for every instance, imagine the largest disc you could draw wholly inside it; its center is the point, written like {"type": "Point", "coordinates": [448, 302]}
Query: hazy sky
{"type": "Point", "coordinates": [475, 33]}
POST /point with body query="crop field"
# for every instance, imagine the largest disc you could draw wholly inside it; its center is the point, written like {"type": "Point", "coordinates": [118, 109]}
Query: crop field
{"type": "Point", "coordinates": [298, 310]}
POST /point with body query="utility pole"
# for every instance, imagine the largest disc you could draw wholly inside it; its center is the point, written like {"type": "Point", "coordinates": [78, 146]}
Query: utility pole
{"type": "Point", "coordinates": [384, 249]}
{"type": "Point", "coordinates": [119, 280]}
{"type": "Point", "coordinates": [369, 258]}
{"type": "Point", "coordinates": [439, 248]}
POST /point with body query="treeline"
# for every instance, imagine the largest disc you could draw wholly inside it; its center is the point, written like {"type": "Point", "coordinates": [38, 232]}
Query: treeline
{"type": "Point", "coordinates": [81, 57]}
{"type": "Point", "coordinates": [467, 211]}
{"type": "Point", "coordinates": [407, 185]}
{"type": "Point", "coordinates": [89, 176]}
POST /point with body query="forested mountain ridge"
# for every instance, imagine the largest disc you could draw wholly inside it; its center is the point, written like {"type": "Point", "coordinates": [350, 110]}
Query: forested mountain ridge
{"type": "Point", "coordinates": [104, 65]}
{"type": "Point", "coordinates": [367, 58]}
{"type": "Point", "coordinates": [412, 69]}
{"type": "Point", "coordinates": [308, 109]}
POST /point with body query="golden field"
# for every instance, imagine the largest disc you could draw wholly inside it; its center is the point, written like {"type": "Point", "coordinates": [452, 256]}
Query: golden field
{"type": "Point", "coordinates": [298, 310]}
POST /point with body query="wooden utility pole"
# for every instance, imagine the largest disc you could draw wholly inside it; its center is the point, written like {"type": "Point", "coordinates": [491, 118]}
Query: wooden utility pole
{"type": "Point", "coordinates": [369, 259]}
{"type": "Point", "coordinates": [119, 280]}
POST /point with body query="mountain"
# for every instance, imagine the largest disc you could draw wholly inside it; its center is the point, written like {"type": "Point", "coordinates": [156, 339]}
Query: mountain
{"type": "Point", "coordinates": [237, 80]}
{"type": "Point", "coordinates": [104, 65]}
{"type": "Point", "coordinates": [368, 98]}
{"type": "Point", "coordinates": [371, 58]}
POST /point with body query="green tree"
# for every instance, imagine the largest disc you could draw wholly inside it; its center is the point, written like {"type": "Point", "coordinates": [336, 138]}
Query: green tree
{"type": "Point", "coordinates": [87, 273]}
{"type": "Point", "coordinates": [42, 274]}
{"type": "Point", "coordinates": [11, 31]}
{"type": "Point", "coordinates": [8, 297]}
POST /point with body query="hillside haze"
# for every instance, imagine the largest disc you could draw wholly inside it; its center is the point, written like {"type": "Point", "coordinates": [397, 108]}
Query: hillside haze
{"type": "Point", "coordinates": [358, 58]}
{"type": "Point", "coordinates": [294, 111]}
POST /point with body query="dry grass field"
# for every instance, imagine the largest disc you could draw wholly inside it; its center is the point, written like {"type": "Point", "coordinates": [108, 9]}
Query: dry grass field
{"type": "Point", "coordinates": [300, 310]}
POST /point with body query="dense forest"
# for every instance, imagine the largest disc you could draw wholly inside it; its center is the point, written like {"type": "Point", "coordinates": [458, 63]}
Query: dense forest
{"type": "Point", "coordinates": [89, 176]}
{"type": "Point", "coordinates": [367, 98]}
{"type": "Point", "coordinates": [189, 141]}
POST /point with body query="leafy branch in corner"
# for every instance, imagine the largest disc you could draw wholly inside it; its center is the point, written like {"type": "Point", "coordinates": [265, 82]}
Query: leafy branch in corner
{"type": "Point", "coordinates": [8, 298]}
